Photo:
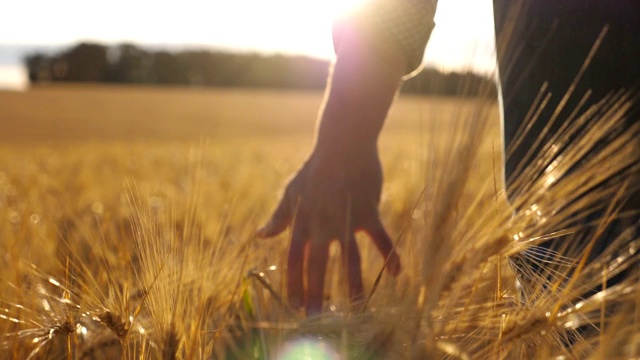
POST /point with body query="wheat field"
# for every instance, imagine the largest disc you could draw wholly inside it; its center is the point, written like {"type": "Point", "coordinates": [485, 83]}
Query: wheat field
{"type": "Point", "coordinates": [127, 221]}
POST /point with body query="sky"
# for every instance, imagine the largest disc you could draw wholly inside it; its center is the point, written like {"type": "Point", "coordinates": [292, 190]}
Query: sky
{"type": "Point", "coordinates": [462, 39]}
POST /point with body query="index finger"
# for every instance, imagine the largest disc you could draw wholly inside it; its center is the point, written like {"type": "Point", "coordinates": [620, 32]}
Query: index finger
{"type": "Point", "coordinates": [280, 219]}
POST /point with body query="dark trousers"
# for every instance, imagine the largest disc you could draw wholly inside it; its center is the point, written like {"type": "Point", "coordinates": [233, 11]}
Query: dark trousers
{"type": "Point", "coordinates": [549, 42]}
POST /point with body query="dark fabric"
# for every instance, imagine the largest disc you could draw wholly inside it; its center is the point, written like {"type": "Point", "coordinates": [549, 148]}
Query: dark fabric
{"type": "Point", "coordinates": [548, 40]}
{"type": "Point", "coordinates": [407, 22]}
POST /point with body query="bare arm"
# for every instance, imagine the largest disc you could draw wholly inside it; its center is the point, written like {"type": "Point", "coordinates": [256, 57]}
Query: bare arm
{"type": "Point", "coordinates": [336, 192]}
{"type": "Point", "coordinates": [342, 179]}
{"type": "Point", "coordinates": [363, 83]}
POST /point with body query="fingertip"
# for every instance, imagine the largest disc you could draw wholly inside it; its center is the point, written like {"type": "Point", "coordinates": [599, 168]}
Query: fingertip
{"type": "Point", "coordinates": [279, 221]}
{"type": "Point", "coordinates": [268, 230]}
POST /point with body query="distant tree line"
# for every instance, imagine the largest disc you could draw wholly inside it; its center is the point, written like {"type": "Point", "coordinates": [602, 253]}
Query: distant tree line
{"type": "Point", "coordinates": [130, 64]}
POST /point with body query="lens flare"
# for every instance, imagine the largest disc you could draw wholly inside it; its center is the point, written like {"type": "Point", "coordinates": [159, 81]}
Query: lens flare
{"type": "Point", "coordinates": [307, 349]}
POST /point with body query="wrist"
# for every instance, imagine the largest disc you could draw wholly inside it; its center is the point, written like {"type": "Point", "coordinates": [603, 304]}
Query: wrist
{"type": "Point", "coordinates": [349, 123]}
{"type": "Point", "coordinates": [345, 139]}
{"type": "Point", "coordinates": [346, 150]}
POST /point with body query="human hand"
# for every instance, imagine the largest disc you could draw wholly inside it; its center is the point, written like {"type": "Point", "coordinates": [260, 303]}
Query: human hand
{"type": "Point", "coordinates": [334, 195]}
{"type": "Point", "coordinates": [336, 192]}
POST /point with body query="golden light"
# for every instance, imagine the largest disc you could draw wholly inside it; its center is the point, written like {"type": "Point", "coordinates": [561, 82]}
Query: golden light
{"type": "Point", "coordinates": [462, 39]}
{"type": "Point", "coordinates": [338, 7]}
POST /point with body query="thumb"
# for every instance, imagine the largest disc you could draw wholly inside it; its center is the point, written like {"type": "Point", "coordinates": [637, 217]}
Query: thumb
{"type": "Point", "coordinates": [280, 219]}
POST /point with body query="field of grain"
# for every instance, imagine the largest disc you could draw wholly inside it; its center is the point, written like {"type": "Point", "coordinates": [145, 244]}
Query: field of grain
{"type": "Point", "coordinates": [127, 220]}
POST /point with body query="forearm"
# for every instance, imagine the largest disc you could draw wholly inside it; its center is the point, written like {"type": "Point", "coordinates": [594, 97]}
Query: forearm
{"type": "Point", "coordinates": [375, 48]}
{"type": "Point", "coordinates": [362, 86]}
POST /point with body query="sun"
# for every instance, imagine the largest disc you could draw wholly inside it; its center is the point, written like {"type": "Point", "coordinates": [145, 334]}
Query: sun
{"type": "Point", "coordinates": [293, 26]}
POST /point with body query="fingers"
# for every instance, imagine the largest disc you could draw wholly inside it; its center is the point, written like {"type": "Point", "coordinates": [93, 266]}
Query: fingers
{"type": "Point", "coordinates": [280, 219]}
{"type": "Point", "coordinates": [351, 254]}
{"type": "Point", "coordinates": [316, 268]}
{"type": "Point", "coordinates": [384, 244]}
{"type": "Point", "coordinates": [298, 252]}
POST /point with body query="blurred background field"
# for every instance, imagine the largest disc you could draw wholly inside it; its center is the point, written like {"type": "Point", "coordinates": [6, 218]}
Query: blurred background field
{"type": "Point", "coordinates": [84, 168]}
{"type": "Point", "coordinates": [78, 146]}
{"type": "Point", "coordinates": [127, 219]}
{"type": "Point", "coordinates": [140, 150]}
{"type": "Point", "coordinates": [107, 134]}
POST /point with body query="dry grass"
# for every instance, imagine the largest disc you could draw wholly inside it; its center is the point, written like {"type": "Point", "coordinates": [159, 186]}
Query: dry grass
{"type": "Point", "coordinates": [127, 219]}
